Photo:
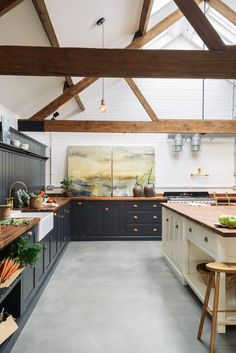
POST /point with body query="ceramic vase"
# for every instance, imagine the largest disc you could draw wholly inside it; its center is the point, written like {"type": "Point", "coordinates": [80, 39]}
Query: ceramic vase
{"type": "Point", "coordinates": [149, 190]}
{"type": "Point", "coordinates": [137, 190]}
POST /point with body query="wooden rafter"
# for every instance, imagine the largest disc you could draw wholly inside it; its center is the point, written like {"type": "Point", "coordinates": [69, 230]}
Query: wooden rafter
{"type": "Point", "coordinates": [47, 61]}
{"type": "Point", "coordinates": [223, 9]}
{"type": "Point", "coordinates": [145, 15]}
{"type": "Point", "coordinates": [7, 5]}
{"type": "Point", "coordinates": [160, 126]}
{"type": "Point", "coordinates": [201, 24]}
{"type": "Point", "coordinates": [141, 99]}
{"type": "Point", "coordinates": [45, 20]}
{"type": "Point", "coordinates": [86, 82]}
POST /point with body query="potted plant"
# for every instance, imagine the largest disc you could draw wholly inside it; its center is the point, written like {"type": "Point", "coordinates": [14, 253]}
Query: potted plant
{"type": "Point", "coordinates": [66, 185]}
{"type": "Point", "coordinates": [149, 187]}
{"type": "Point", "coordinates": [138, 188]}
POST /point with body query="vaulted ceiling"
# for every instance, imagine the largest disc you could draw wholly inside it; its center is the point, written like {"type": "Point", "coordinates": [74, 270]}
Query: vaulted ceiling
{"type": "Point", "coordinates": [74, 23]}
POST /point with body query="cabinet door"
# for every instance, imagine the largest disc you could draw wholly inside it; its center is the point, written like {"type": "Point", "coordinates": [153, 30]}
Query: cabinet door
{"type": "Point", "coordinates": [28, 276]}
{"type": "Point", "coordinates": [94, 218]}
{"type": "Point", "coordinates": [77, 219]}
{"type": "Point", "coordinates": [114, 219]}
{"type": "Point", "coordinates": [53, 243]}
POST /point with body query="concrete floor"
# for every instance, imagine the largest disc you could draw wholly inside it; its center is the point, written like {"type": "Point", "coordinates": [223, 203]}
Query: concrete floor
{"type": "Point", "coordinates": [116, 297]}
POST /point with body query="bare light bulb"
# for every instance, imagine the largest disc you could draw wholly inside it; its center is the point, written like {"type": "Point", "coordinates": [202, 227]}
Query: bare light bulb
{"type": "Point", "coordinates": [103, 107]}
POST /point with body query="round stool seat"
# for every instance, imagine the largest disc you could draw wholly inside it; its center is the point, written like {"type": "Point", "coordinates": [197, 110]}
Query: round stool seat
{"type": "Point", "coordinates": [226, 267]}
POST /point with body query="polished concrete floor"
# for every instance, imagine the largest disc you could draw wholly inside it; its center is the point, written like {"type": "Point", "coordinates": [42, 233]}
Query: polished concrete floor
{"type": "Point", "coordinates": [116, 297]}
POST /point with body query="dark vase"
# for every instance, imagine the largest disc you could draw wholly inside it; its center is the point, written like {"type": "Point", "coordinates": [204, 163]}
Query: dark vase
{"type": "Point", "coordinates": [149, 190]}
{"type": "Point", "coordinates": [67, 193]}
{"type": "Point", "coordinates": [137, 190]}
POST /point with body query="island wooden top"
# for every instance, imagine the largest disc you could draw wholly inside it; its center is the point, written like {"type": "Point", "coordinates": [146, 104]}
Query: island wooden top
{"type": "Point", "coordinates": [206, 216]}
{"type": "Point", "coordinates": [10, 233]}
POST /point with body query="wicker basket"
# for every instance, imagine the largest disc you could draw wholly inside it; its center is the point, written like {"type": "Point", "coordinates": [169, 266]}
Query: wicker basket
{"type": "Point", "coordinates": [230, 279]}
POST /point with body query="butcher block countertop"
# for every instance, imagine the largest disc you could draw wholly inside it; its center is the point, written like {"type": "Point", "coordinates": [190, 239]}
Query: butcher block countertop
{"type": "Point", "coordinates": [206, 216]}
{"type": "Point", "coordinates": [10, 233]}
{"type": "Point", "coordinates": [62, 201]}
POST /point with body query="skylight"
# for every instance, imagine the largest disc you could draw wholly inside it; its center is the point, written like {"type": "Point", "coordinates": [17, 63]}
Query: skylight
{"type": "Point", "coordinates": [158, 4]}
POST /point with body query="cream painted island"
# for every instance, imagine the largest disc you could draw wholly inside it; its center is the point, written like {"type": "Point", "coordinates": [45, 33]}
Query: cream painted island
{"type": "Point", "coordinates": [190, 236]}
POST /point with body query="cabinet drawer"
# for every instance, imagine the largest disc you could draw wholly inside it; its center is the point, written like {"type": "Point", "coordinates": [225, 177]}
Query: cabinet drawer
{"type": "Point", "coordinates": [144, 205]}
{"type": "Point", "coordinates": [143, 217]}
{"type": "Point", "coordinates": [201, 237]}
{"type": "Point", "coordinates": [144, 229]}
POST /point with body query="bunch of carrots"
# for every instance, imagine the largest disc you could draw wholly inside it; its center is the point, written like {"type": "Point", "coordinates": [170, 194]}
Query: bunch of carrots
{"type": "Point", "coordinates": [7, 268]}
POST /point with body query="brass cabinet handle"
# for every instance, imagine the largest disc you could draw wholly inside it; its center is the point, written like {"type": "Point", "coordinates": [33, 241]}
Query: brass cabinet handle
{"type": "Point", "coordinates": [45, 247]}
{"type": "Point", "coordinates": [154, 217]}
{"type": "Point", "coordinates": [206, 239]}
{"type": "Point", "coordinates": [106, 209]}
{"type": "Point", "coordinates": [68, 211]}
{"type": "Point", "coordinates": [135, 229]}
{"type": "Point", "coordinates": [55, 214]}
{"type": "Point", "coordinates": [167, 219]}
{"type": "Point", "coordinates": [177, 226]}
{"type": "Point", "coordinates": [79, 203]}
{"type": "Point", "coordinates": [30, 234]}
{"type": "Point", "coordinates": [135, 205]}
{"type": "Point", "coordinates": [135, 217]}
{"type": "Point", "coordinates": [154, 230]}
{"type": "Point", "coordinates": [154, 205]}
{"type": "Point", "coordinates": [190, 230]}
{"type": "Point", "coordinates": [62, 216]}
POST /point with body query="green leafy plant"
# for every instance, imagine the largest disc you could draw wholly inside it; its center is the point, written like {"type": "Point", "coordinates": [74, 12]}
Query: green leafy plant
{"type": "Point", "coordinates": [66, 184]}
{"type": "Point", "coordinates": [149, 175]}
{"type": "Point", "coordinates": [24, 252]}
{"type": "Point", "coordinates": [138, 180]}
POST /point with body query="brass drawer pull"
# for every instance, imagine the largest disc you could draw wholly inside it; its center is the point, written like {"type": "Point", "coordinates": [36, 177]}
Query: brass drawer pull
{"type": "Point", "coordinates": [106, 209]}
{"type": "Point", "coordinates": [167, 219]}
{"type": "Point", "coordinates": [135, 205]}
{"type": "Point", "coordinates": [79, 203]}
{"type": "Point", "coordinates": [62, 216]}
{"type": "Point", "coordinates": [55, 214]}
{"type": "Point", "coordinates": [30, 234]}
{"type": "Point", "coordinates": [154, 217]}
{"type": "Point", "coordinates": [135, 217]}
{"type": "Point", "coordinates": [45, 247]}
{"type": "Point", "coordinates": [135, 229]}
{"type": "Point", "coordinates": [154, 205]}
{"type": "Point", "coordinates": [206, 239]}
{"type": "Point", "coordinates": [190, 230]}
{"type": "Point", "coordinates": [154, 230]}
{"type": "Point", "coordinates": [177, 226]}
{"type": "Point", "coordinates": [68, 211]}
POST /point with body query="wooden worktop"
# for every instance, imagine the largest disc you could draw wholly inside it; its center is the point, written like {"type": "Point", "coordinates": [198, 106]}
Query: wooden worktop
{"type": "Point", "coordinates": [206, 216]}
{"type": "Point", "coordinates": [10, 233]}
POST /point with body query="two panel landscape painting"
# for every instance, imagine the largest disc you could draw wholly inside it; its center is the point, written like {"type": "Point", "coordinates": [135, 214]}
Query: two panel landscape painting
{"type": "Point", "coordinates": [106, 171]}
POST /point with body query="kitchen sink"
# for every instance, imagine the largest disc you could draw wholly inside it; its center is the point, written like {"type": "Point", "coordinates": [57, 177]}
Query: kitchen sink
{"type": "Point", "coordinates": [45, 225]}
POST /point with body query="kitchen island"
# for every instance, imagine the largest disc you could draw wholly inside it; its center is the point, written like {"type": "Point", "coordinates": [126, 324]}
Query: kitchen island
{"type": "Point", "coordinates": [190, 236]}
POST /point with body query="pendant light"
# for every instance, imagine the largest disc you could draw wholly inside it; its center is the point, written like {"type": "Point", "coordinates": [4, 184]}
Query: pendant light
{"type": "Point", "coordinates": [102, 107]}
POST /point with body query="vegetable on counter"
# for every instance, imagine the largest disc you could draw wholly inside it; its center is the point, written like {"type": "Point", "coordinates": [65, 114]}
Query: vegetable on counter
{"type": "Point", "coordinates": [16, 221]}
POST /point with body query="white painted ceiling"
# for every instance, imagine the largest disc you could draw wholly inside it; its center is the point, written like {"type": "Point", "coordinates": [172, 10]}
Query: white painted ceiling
{"type": "Point", "coordinates": [74, 22]}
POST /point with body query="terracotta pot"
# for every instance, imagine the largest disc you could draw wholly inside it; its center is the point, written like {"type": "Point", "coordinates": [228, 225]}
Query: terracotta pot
{"type": "Point", "coordinates": [36, 202]}
{"type": "Point", "coordinates": [149, 190]}
{"type": "Point", "coordinates": [137, 190]}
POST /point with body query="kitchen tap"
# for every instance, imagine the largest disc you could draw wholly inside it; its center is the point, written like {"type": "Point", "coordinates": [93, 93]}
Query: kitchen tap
{"type": "Point", "coordinates": [10, 198]}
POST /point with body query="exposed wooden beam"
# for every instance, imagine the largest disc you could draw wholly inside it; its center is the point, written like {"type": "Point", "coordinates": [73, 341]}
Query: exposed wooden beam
{"type": "Point", "coordinates": [63, 98]}
{"type": "Point", "coordinates": [45, 20]}
{"type": "Point", "coordinates": [136, 43]}
{"type": "Point", "coordinates": [160, 126]}
{"type": "Point", "coordinates": [7, 5]}
{"type": "Point", "coordinates": [140, 41]}
{"type": "Point", "coordinates": [145, 16]}
{"type": "Point", "coordinates": [141, 99]}
{"type": "Point", "coordinates": [223, 9]}
{"type": "Point", "coordinates": [46, 61]}
{"type": "Point", "coordinates": [201, 24]}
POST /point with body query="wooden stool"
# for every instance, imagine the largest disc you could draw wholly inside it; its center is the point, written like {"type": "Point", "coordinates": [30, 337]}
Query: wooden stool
{"type": "Point", "coordinates": [215, 268]}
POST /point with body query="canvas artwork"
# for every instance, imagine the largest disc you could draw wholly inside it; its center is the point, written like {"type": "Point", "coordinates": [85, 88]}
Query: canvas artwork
{"type": "Point", "coordinates": [90, 169]}
{"type": "Point", "coordinates": [129, 161]}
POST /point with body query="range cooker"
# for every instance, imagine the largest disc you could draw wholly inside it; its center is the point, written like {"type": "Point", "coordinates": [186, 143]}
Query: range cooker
{"type": "Point", "coordinates": [195, 197]}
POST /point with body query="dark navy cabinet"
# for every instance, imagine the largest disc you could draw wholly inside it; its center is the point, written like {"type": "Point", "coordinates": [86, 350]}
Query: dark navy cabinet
{"type": "Point", "coordinates": [104, 220]}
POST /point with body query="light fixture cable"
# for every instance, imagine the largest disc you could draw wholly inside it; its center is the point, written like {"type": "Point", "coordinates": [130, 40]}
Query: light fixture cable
{"type": "Point", "coordinates": [102, 107]}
